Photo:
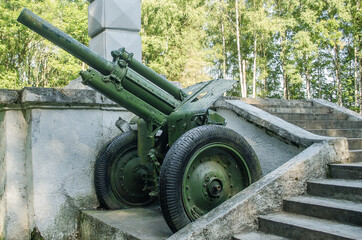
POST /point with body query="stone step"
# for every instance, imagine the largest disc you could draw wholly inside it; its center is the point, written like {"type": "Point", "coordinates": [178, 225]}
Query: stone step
{"type": "Point", "coordinates": [137, 223]}
{"type": "Point", "coordinates": [355, 156]}
{"type": "Point", "coordinates": [327, 208]}
{"type": "Point", "coordinates": [328, 124]}
{"type": "Point", "coordinates": [354, 143]}
{"type": "Point", "coordinates": [303, 227]}
{"type": "Point", "coordinates": [348, 133]}
{"type": "Point", "coordinates": [256, 236]}
{"type": "Point", "coordinates": [336, 188]}
{"type": "Point", "coordinates": [296, 110]}
{"type": "Point", "coordinates": [309, 117]}
{"type": "Point", "coordinates": [279, 102]}
{"type": "Point", "coordinates": [346, 171]}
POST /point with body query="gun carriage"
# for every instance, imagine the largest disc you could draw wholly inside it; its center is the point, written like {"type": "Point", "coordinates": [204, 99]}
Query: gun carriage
{"type": "Point", "coordinates": [181, 151]}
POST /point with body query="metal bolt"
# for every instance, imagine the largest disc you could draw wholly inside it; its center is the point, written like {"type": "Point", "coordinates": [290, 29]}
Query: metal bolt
{"type": "Point", "coordinates": [187, 187]}
{"type": "Point", "coordinates": [189, 199]}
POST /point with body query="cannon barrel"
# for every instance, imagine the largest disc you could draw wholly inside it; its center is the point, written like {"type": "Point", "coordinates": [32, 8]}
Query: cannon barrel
{"type": "Point", "coordinates": [64, 41]}
{"type": "Point", "coordinates": [78, 50]}
{"type": "Point", "coordinates": [144, 93]}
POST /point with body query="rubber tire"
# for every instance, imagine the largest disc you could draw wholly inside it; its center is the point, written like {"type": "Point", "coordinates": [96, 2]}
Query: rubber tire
{"type": "Point", "coordinates": [102, 170]}
{"type": "Point", "coordinates": [177, 158]}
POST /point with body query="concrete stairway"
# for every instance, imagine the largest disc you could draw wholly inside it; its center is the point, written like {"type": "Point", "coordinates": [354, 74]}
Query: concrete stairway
{"type": "Point", "coordinates": [316, 118]}
{"type": "Point", "coordinates": [332, 209]}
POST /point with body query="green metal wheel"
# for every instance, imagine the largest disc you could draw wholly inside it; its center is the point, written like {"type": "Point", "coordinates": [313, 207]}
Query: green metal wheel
{"type": "Point", "coordinates": [203, 168]}
{"type": "Point", "coordinates": [119, 174]}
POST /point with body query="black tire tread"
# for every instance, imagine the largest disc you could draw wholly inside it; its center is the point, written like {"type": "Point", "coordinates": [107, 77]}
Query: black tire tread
{"type": "Point", "coordinates": [175, 163]}
{"type": "Point", "coordinates": [101, 180]}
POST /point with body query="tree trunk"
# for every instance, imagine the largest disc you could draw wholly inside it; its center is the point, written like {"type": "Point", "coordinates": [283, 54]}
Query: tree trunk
{"type": "Point", "coordinates": [223, 50]}
{"type": "Point", "coordinates": [356, 78]}
{"type": "Point", "coordinates": [359, 63]}
{"type": "Point", "coordinates": [284, 74]}
{"type": "Point", "coordinates": [307, 78]}
{"type": "Point", "coordinates": [265, 83]}
{"type": "Point", "coordinates": [238, 45]}
{"type": "Point", "coordinates": [285, 84]}
{"type": "Point", "coordinates": [319, 80]}
{"type": "Point", "coordinates": [338, 77]}
{"type": "Point", "coordinates": [245, 93]}
{"type": "Point", "coordinates": [254, 70]}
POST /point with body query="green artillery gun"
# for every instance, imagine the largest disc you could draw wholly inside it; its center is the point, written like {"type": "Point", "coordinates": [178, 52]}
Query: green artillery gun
{"type": "Point", "coordinates": [181, 151]}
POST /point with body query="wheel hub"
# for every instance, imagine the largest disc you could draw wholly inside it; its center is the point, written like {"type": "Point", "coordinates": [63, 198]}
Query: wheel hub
{"type": "Point", "coordinates": [214, 188]}
{"type": "Point", "coordinates": [127, 179]}
{"type": "Point", "coordinates": [212, 176]}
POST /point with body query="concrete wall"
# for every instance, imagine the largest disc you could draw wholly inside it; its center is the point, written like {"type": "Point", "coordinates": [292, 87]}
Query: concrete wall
{"type": "Point", "coordinates": [15, 198]}
{"type": "Point", "coordinates": [49, 142]}
{"type": "Point", "coordinates": [271, 151]}
{"type": "Point", "coordinates": [2, 174]}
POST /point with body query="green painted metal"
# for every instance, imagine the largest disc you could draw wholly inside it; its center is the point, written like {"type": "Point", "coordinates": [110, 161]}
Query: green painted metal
{"type": "Point", "coordinates": [116, 72]}
{"type": "Point", "coordinates": [194, 110]}
{"type": "Point", "coordinates": [122, 96]}
{"type": "Point", "coordinates": [127, 178]}
{"type": "Point", "coordinates": [215, 173]}
{"type": "Point", "coordinates": [150, 74]}
{"type": "Point", "coordinates": [145, 140]}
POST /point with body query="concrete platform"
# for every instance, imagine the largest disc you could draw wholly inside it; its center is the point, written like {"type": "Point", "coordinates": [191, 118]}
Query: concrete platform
{"type": "Point", "coordinates": [136, 223]}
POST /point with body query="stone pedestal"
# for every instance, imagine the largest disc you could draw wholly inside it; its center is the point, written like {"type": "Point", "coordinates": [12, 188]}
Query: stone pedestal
{"type": "Point", "coordinates": [113, 24]}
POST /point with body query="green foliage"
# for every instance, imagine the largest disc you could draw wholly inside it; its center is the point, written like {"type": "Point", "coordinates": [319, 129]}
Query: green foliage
{"type": "Point", "coordinates": [28, 60]}
{"type": "Point", "coordinates": [173, 40]}
{"type": "Point", "coordinates": [293, 49]}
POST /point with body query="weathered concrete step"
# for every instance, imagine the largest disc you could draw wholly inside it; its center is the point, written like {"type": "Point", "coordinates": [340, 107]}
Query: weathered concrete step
{"type": "Point", "coordinates": [256, 236]}
{"type": "Point", "coordinates": [354, 143]}
{"type": "Point", "coordinates": [355, 156]}
{"type": "Point", "coordinates": [327, 208]}
{"type": "Point", "coordinates": [302, 227]}
{"type": "Point", "coordinates": [294, 110]}
{"type": "Point", "coordinates": [336, 188]}
{"type": "Point", "coordinates": [307, 124]}
{"type": "Point", "coordinates": [346, 171]}
{"type": "Point", "coordinates": [137, 223]}
{"type": "Point", "coordinates": [348, 133]}
{"type": "Point", "coordinates": [280, 102]}
{"type": "Point", "coordinates": [305, 116]}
